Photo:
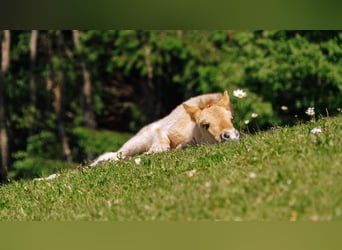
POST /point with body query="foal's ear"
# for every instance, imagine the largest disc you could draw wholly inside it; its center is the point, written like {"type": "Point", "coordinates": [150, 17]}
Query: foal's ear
{"type": "Point", "coordinates": [192, 111]}
{"type": "Point", "coordinates": [225, 101]}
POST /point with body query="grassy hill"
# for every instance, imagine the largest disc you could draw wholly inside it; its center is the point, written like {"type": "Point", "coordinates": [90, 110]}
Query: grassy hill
{"type": "Point", "coordinates": [283, 174]}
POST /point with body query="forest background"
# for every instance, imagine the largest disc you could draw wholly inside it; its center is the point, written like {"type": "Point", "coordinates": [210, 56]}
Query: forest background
{"type": "Point", "coordinates": [62, 92]}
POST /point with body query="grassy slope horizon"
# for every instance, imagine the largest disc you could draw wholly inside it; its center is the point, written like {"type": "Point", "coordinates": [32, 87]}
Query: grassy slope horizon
{"type": "Point", "coordinates": [285, 174]}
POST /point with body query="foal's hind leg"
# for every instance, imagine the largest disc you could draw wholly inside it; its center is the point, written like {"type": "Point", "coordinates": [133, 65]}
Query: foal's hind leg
{"type": "Point", "coordinates": [149, 139]}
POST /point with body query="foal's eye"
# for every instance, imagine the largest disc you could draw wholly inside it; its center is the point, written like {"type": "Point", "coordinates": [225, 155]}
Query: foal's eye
{"type": "Point", "coordinates": [205, 125]}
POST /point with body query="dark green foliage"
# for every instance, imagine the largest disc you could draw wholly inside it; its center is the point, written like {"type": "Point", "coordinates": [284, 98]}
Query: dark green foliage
{"type": "Point", "coordinates": [26, 166]}
{"type": "Point", "coordinates": [96, 142]}
{"type": "Point", "coordinates": [295, 69]}
{"type": "Point", "coordinates": [42, 155]}
{"type": "Point", "coordinates": [140, 76]}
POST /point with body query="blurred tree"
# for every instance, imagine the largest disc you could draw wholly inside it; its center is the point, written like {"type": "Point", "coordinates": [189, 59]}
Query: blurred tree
{"type": "Point", "coordinates": [5, 60]}
{"type": "Point", "coordinates": [55, 81]}
{"type": "Point", "coordinates": [89, 116]}
{"type": "Point", "coordinates": [33, 58]}
{"type": "Point", "coordinates": [33, 83]}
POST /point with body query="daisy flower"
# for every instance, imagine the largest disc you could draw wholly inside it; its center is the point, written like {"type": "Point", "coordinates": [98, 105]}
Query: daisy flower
{"type": "Point", "coordinates": [252, 175]}
{"type": "Point", "coordinates": [310, 111]}
{"type": "Point", "coordinates": [284, 108]}
{"type": "Point", "coordinates": [316, 131]}
{"type": "Point", "coordinates": [137, 161]}
{"type": "Point", "coordinates": [191, 173]}
{"type": "Point", "coordinates": [246, 122]}
{"type": "Point", "coordinates": [254, 115]}
{"type": "Point", "coordinates": [239, 93]}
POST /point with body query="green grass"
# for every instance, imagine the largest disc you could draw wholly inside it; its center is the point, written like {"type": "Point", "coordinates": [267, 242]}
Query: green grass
{"type": "Point", "coordinates": [286, 174]}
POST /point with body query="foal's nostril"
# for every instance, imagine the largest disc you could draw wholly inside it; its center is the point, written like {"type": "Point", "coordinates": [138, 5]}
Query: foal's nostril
{"type": "Point", "coordinates": [225, 136]}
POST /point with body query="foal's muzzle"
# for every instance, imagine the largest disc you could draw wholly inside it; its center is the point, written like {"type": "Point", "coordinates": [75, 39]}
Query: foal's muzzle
{"type": "Point", "coordinates": [230, 135]}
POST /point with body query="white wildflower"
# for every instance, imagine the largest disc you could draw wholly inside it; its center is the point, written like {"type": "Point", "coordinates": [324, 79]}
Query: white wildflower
{"type": "Point", "coordinates": [207, 184]}
{"type": "Point", "coordinates": [284, 108]}
{"type": "Point", "coordinates": [239, 93]}
{"type": "Point", "coordinates": [191, 173]}
{"type": "Point", "coordinates": [137, 161]}
{"type": "Point", "coordinates": [316, 131]}
{"type": "Point", "coordinates": [252, 175]}
{"type": "Point", "coordinates": [310, 111]}
{"type": "Point", "coordinates": [246, 122]}
{"type": "Point", "coordinates": [254, 115]}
